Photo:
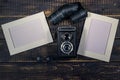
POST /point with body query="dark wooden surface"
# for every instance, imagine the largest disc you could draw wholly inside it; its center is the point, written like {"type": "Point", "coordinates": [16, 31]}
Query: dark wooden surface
{"type": "Point", "coordinates": [24, 66]}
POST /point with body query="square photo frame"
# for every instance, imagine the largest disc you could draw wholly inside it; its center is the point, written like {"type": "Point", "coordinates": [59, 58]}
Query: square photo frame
{"type": "Point", "coordinates": [98, 37]}
{"type": "Point", "coordinates": [27, 33]}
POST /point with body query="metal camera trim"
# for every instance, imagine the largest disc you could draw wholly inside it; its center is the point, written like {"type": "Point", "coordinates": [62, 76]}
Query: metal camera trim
{"type": "Point", "coordinates": [62, 47]}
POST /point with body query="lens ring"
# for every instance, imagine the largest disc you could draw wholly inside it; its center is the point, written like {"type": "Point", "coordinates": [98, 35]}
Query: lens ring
{"type": "Point", "coordinates": [66, 47]}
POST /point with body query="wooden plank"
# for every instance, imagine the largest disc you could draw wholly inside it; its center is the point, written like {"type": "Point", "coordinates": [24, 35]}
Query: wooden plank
{"type": "Point", "coordinates": [60, 71]}
{"type": "Point", "coordinates": [27, 7]}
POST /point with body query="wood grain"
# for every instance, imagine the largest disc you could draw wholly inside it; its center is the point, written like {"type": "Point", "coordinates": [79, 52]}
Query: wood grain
{"type": "Point", "coordinates": [60, 71]}
{"type": "Point", "coordinates": [26, 7]}
{"type": "Point", "coordinates": [24, 66]}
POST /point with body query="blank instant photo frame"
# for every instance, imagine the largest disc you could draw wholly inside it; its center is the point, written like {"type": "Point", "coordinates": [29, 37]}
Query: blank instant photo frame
{"type": "Point", "coordinates": [27, 33]}
{"type": "Point", "coordinates": [98, 37]}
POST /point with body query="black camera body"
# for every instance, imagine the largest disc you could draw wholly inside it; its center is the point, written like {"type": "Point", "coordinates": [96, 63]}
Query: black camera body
{"type": "Point", "coordinates": [66, 41]}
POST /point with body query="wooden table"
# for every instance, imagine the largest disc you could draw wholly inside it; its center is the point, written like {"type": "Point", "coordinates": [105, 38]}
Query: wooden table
{"type": "Point", "coordinates": [24, 66]}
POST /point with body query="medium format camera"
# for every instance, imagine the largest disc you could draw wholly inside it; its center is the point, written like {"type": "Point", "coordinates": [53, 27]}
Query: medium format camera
{"type": "Point", "coordinates": [66, 41]}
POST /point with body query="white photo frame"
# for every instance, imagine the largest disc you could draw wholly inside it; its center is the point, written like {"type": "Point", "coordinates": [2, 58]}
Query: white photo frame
{"type": "Point", "coordinates": [27, 33]}
{"type": "Point", "coordinates": [98, 37]}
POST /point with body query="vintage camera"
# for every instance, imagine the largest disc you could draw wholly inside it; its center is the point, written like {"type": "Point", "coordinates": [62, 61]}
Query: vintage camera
{"type": "Point", "coordinates": [66, 41]}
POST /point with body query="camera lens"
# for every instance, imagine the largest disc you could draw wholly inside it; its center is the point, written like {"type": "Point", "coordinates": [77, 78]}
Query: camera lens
{"type": "Point", "coordinates": [67, 47]}
{"type": "Point", "coordinates": [67, 36]}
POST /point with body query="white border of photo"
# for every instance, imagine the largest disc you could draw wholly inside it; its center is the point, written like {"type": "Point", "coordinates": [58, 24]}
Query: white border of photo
{"type": "Point", "coordinates": [40, 17]}
{"type": "Point", "coordinates": [82, 50]}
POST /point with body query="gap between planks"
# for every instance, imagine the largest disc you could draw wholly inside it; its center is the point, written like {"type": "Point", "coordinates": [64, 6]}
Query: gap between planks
{"type": "Point", "coordinates": [61, 61]}
{"type": "Point", "coordinates": [29, 15]}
